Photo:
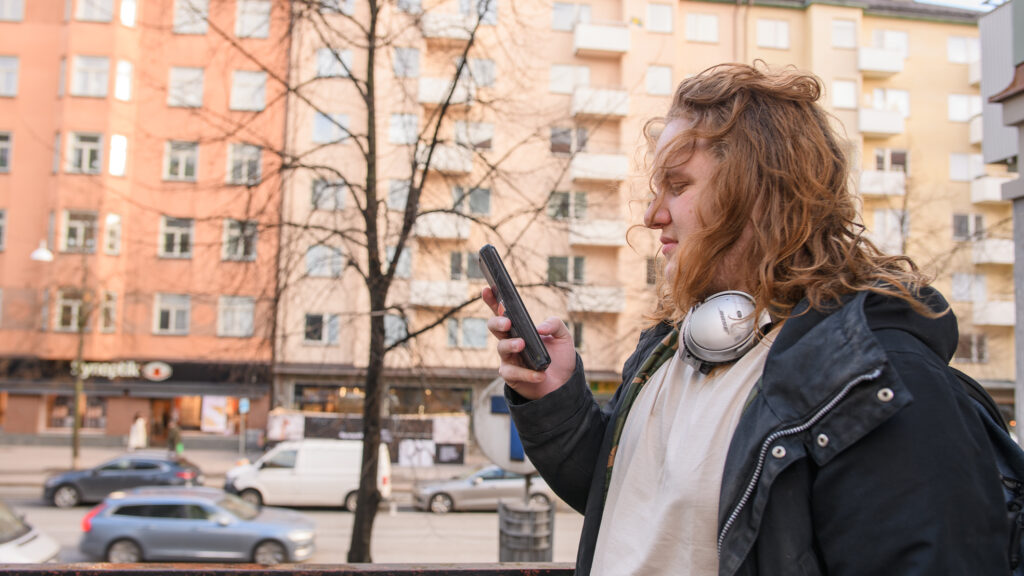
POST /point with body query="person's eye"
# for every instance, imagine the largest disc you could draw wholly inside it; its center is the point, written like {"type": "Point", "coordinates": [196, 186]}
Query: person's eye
{"type": "Point", "coordinates": [677, 188]}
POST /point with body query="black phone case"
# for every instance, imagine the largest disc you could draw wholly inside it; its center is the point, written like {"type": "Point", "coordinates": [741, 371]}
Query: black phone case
{"type": "Point", "coordinates": [534, 355]}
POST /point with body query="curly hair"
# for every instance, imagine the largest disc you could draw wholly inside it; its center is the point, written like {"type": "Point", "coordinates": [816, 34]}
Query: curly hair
{"type": "Point", "coordinates": [781, 172]}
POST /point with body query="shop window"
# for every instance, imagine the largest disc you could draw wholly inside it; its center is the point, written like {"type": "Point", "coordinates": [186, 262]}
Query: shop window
{"type": "Point", "coordinates": [60, 412]}
{"type": "Point", "coordinates": [335, 399]}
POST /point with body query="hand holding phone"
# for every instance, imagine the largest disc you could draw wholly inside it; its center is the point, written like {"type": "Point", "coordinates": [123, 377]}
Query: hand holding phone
{"type": "Point", "coordinates": [534, 354]}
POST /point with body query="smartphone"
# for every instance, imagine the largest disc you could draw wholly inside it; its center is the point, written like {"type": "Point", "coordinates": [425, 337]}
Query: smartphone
{"type": "Point", "coordinates": [535, 355]}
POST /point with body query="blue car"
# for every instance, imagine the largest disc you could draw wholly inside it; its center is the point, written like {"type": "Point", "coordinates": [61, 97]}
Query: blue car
{"type": "Point", "coordinates": [182, 524]}
{"type": "Point", "coordinates": [154, 468]}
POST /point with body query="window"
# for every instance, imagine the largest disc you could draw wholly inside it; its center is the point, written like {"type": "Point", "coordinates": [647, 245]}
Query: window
{"type": "Point", "coordinates": [123, 81]}
{"type": "Point", "coordinates": [407, 62]}
{"type": "Point", "coordinates": [568, 140]}
{"type": "Point", "coordinates": [71, 312]}
{"type": "Point", "coordinates": [190, 16]}
{"type": "Point", "coordinates": [409, 6]}
{"type": "Point", "coordinates": [891, 160]}
{"type": "Point", "coordinates": [890, 99]}
{"type": "Point", "coordinates": [565, 205]}
{"type": "Point", "coordinates": [176, 237]}
{"type": "Point", "coordinates": [565, 17]}
{"type": "Point", "coordinates": [112, 234]}
{"type": "Point", "coordinates": [3, 229]}
{"type": "Point", "coordinates": [95, 10]}
{"type": "Point", "coordinates": [475, 135]}
{"type": "Point", "coordinates": [487, 10]}
{"type": "Point", "coordinates": [8, 76]}
{"type": "Point", "coordinates": [185, 87]}
{"type": "Point", "coordinates": [248, 90]}
{"type": "Point", "coordinates": [244, 164]}
{"type": "Point", "coordinates": [773, 34]}
{"type": "Point", "coordinates": [659, 18]}
{"type": "Point", "coordinates": [565, 79]}
{"type": "Point", "coordinates": [240, 238]}
{"type": "Point", "coordinates": [12, 10]}
{"type": "Point", "coordinates": [844, 33]}
{"type": "Point", "coordinates": [558, 269]}
{"type": "Point", "coordinates": [473, 333]}
{"type": "Point", "coordinates": [84, 157]}
{"type": "Point", "coordinates": [331, 64]}
{"type": "Point", "coordinates": [659, 80]}
{"type": "Point", "coordinates": [128, 9]}
{"type": "Point", "coordinates": [653, 271]}
{"type": "Point", "coordinates": [961, 107]}
{"type": "Point", "coordinates": [180, 159]}
{"type": "Point", "coordinates": [844, 94]}
{"type": "Point", "coordinates": [321, 329]}
{"type": "Point", "coordinates": [172, 313]}
{"type": "Point", "coordinates": [79, 232]}
{"type": "Point", "coordinates": [61, 80]}
{"type": "Point", "coordinates": [398, 194]}
{"type": "Point", "coordinates": [235, 316]}
{"type": "Point", "coordinates": [324, 261]}
{"type": "Point", "coordinates": [328, 194]}
{"type": "Point", "coordinates": [347, 7]}
{"type": "Point", "coordinates": [404, 129]}
{"type": "Point", "coordinates": [963, 50]}
{"type": "Point", "coordinates": [55, 163]}
{"type": "Point", "coordinates": [890, 230]}
{"type": "Point", "coordinates": [5, 151]}
{"type": "Point", "coordinates": [329, 128]}
{"type": "Point", "coordinates": [972, 348]}
{"type": "Point", "coordinates": [253, 19]}
{"type": "Point", "coordinates": [702, 28]}
{"type": "Point", "coordinates": [477, 200]}
{"type": "Point", "coordinates": [118, 155]}
{"type": "Point", "coordinates": [895, 40]}
{"type": "Point", "coordinates": [89, 76]}
{"type": "Point", "coordinates": [481, 72]}
{"type": "Point", "coordinates": [108, 312]}
{"type": "Point", "coordinates": [395, 328]}
{"type": "Point", "coordinates": [403, 268]}
{"type": "Point", "coordinates": [465, 266]}
{"type": "Point", "coordinates": [969, 288]}
{"type": "Point", "coordinates": [968, 226]}
{"type": "Point", "coordinates": [966, 167]}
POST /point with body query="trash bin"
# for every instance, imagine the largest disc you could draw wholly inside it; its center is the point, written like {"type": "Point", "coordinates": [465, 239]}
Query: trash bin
{"type": "Point", "coordinates": [525, 531]}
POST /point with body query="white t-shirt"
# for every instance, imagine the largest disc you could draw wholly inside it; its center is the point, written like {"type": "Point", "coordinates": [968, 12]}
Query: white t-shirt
{"type": "Point", "coordinates": [661, 515]}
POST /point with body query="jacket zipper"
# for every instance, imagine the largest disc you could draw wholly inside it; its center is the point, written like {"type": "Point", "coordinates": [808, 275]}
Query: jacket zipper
{"type": "Point", "coordinates": [780, 434]}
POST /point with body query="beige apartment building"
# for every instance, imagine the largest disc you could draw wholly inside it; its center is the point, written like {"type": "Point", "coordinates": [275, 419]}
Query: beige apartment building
{"type": "Point", "coordinates": [138, 155]}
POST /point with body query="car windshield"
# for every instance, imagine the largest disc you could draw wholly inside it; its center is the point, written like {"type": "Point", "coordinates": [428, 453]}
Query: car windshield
{"type": "Point", "coordinates": [238, 507]}
{"type": "Point", "coordinates": [11, 526]}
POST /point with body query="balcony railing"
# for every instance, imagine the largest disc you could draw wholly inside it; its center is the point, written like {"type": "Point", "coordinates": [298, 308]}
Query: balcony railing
{"type": "Point", "coordinates": [440, 294]}
{"type": "Point", "coordinates": [447, 26]}
{"type": "Point", "coordinates": [599, 167]}
{"type": "Point", "coordinates": [883, 183]}
{"type": "Point", "coordinates": [441, 225]}
{"type": "Point", "coordinates": [510, 569]}
{"type": "Point", "coordinates": [993, 251]}
{"type": "Point", "coordinates": [597, 233]}
{"type": "Point", "coordinates": [603, 102]}
{"type": "Point", "coordinates": [602, 40]}
{"type": "Point", "coordinates": [599, 299]}
{"type": "Point", "coordinates": [435, 91]}
{"type": "Point", "coordinates": [449, 159]}
{"type": "Point", "coordinates": [875, 123]}
{"type": "Point", "coordinates": [879, 62]}
{"type": "Point", "coordinates": [975, 130]}
{"type": "Point", "coordinates": [988, 190]}
{"type": "Point", "coordinates": [994, 313]}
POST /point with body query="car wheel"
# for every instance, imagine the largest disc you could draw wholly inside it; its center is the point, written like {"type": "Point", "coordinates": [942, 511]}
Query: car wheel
{"type": "Point", "coordinates": [66, 496]}
{"type": "Point", "coordinates": [539, 500]}
{"type": "Point", "coordinates": [124, 552]}
{"type": "Point", "coordinates": [441, 504]}
{"type": "Point", "coordinates": [351, 501]}
{"type": "Point", "coordinates": [252, 497]}
{"type": "Point", "coordinates": [269, 553]}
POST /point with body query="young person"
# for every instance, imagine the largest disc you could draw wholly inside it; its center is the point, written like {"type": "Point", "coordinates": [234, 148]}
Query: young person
{"type": "Point", "coordinates": [836, 441]}
{"type": "Point", "coordinates": [138, 433]}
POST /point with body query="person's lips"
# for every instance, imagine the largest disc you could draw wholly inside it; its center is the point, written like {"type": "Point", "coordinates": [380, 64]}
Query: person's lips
{"type": "Point", "coordinates": [667, 245]}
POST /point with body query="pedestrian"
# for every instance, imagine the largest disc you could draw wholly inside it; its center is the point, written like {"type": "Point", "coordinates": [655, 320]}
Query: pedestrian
{"type": "Point", "coordinates": [788, 409]}
{"type": "Point", "coordinates": [138, 433]}
{"type": "Point", "coordinates": [174, 442]}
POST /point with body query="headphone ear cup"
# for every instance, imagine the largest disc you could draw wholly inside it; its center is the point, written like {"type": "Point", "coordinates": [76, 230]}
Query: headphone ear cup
{"type": "Point", "coordinates": [721, 328]}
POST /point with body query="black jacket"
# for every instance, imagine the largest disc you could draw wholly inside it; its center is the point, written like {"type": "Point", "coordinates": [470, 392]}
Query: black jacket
{"type": "Point", "coordinates": [860, 453]}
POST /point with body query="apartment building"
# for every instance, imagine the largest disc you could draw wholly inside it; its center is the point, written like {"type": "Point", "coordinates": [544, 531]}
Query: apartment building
{"type": "Point", "coordinates": [138, 156]}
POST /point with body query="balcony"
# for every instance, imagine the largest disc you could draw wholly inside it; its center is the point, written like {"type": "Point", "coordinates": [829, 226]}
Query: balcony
{"type": "Point", "coordinates": [988, 190]}
{"type": "Point", "coordinates": [993, 251]}
{"type": "Point", "coordinates": [601, 102]}
{"type": "Point", "coordinates": [975, 130]}
{"type": "Point", "coordinates": [443, 294]}
{"type": "Point", "coordinates": [448, 159]}
{"type": "Point", "coordinates": [879, 62]}
{"type": "Point", "coordinates": [442, 226]}
{"type": "Point", "coordinates": [875, 123]}
{"type": "Point", "coordinates": [596, 299]}
{"type": "Point", "coordinates": [599, 167]}
{"type": "Point", "coordinates": [601, 40]}
{"type": "Point", "coordinates": [447, 26]}
{"type": "Point", "coordinates": [994, 313]}
{"type": "Point", "coordinates": [882, 183]}
{"type": "Point", "coordinates": [974, 73]}
{"type": "Point", "coordinates": [435, 91]}
{"type": "Point", "coordinates": [597, 233]}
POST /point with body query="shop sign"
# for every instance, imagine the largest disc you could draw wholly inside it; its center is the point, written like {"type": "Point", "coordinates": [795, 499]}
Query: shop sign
{"type": "Point", "coordinates": [153, 371]}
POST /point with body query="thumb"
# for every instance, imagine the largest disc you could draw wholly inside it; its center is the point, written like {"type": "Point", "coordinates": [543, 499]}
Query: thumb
{"type": "Point", "coordinates": [554, 327]}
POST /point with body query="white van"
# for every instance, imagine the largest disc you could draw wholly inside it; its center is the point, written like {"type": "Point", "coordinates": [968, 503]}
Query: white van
{"type": "Point", "coordinates": [308, 472]}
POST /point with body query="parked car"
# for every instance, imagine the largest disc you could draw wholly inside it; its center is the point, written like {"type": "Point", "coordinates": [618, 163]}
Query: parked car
{"type": "Point", "coordinates": [309, 472]}
{"type": "Point", "coordinates": [480, 490]}
{"type": "Point", "coordinates": [21, 543]}
{"type": "Point", "coordinates": [167, 523]}
{"type": "Point", "coordinates": [155, 468]}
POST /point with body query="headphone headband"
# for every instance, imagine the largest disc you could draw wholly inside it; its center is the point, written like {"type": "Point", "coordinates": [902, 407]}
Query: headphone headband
{"type": "Point", "coordinates": [720, 330]}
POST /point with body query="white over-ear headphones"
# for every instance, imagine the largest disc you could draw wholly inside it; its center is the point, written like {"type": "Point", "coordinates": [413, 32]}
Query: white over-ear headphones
{"type": "Point", "coordinates": [720, 330]}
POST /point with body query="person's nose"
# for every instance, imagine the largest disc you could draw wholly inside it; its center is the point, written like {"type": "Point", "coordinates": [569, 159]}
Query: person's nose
{"type": "Point", "coordinates": [657, 215]}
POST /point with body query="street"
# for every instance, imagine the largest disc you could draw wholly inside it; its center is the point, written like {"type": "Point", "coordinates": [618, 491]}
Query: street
{"type": "Point", "coordinates": [405, 536]}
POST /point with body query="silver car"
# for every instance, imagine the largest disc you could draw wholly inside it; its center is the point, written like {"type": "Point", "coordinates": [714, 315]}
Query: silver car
{"type": "Point", "coordinates": [480, 490]}
{"type": "Point", "coordinates": [166, 523]}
